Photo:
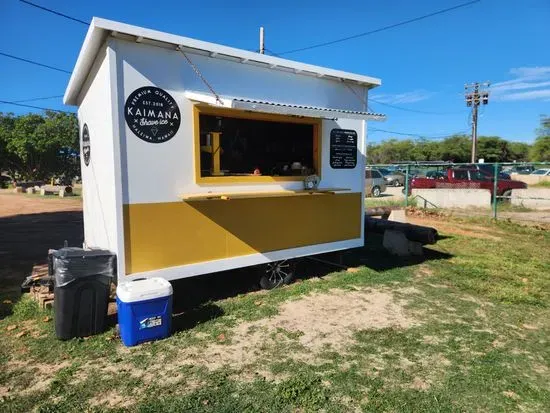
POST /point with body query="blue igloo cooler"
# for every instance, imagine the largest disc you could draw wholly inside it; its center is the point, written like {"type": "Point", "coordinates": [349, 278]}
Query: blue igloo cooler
{"type": "Point", "coordinates": [144, 310]}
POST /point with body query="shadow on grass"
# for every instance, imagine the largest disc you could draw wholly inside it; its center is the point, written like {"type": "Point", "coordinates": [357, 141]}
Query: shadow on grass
{"type": "Point", "coordinates": [25, 239]}
{"type": "Point", "coordinates": [191, 294]}
{"type": "Point", "coordinates": [24, 242]}
{"type": "Point", "coordinates": [373, 256]}
{"type": "Point", "coordinates": [187, 320]}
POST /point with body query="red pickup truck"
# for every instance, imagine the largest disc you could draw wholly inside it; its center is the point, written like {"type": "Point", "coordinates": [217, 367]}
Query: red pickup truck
{"type": "Point", "coordinates": [466, 178]}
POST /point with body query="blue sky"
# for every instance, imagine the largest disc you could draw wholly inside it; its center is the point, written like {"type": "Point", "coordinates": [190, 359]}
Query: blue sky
{"type": "Point", "coordinates": [423, 65]}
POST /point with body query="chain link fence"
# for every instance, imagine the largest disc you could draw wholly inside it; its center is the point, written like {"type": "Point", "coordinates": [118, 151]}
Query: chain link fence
{"type": "Point", "coordinates": [515, 191]}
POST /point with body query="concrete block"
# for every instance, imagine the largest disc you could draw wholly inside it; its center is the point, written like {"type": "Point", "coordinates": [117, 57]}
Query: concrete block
{"type": "Point", "coordinates": [398, 215]}
{"type": "Point", "coordinates": [452, 198]}
{"type": "Point", "coordinates": [530, 179]}
{"type": "Point", "coordinates": [397, 244]}
{"type": "Point", "coordinates": [18, 189]}
{"type": "Point", "coordinates": [44, 191]}
{"type": "Point", "coordinates": [534, 198]}
{"type": "Point", "coordinates": [30, 190]}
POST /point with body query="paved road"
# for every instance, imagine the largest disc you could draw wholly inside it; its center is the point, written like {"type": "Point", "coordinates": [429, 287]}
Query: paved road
{"type": "Point", "coordinates": [392, 193]}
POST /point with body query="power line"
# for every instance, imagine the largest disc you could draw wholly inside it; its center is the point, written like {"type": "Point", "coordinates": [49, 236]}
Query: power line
{"type": "Point", "coordinates": [34, 63]}
{"type": "Point", "coordinates": [35, 99]}
{"type": "Point", "coordinates": [33, 107]}
{"type": "Point", "coordinates": [414, 110]}
{"type": "Point", "coordinates": [55, 12]}
{"type": "Point", "coordinates": [355, 36]}
{"type": "Point", "coordinates": [416, 134]}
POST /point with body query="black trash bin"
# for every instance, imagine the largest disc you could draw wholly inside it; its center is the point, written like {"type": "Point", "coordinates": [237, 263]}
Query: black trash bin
{"type": "Point", "coordinates": [82, 285]}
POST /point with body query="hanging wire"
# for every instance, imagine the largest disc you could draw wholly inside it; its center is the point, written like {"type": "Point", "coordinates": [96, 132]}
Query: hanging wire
{"type": "Point", "coordinates": [199, 74]}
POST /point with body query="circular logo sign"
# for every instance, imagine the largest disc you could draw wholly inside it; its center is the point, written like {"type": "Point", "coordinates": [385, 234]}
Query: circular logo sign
{"type": "Point", "coordinates": [152, 114]}
{"type": "Point", "coordinates": [86, 145]}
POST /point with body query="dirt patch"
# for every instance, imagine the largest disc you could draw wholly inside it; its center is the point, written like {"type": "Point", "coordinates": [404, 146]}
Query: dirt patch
{"type": "Point", "coordinates": [19, 204]}
{"type": "Point", "coordinates": [419, 384]}
{"type": "Point", "coordinates": [303, 329]}
{"type": "Point", "coordinates": [424, 272]}
{"type": "Point", "coordinates": [29, 226]}
{"type": "Point", "coordinates": [434, 340]}
{"type": "Point", "coordinates": [446, 227]}
{"type": "Point", "coordinates": [331, 319]}
{"type": "Point", "coordinates": [112, 400]}
{"type": "Point", "coordinates": [510, 394]}
{"type": "Point", "coordinates": [42, 375]}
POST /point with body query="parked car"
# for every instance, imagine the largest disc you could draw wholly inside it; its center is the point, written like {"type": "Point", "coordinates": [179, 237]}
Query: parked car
{"type": "Point", "coordinates": [541, 172]}
{"type": "Point", "coordinates": [392, 178]}
{"type": "Point", "coordinates": [436, 174]}
{"type": "Point", "coordinates": [468, 178]}
{"type": "Point", "coordinates": [521, 169]}
{"type": "Point", "coordinates": [374, 182]}
{"type": "Point", "coordinates": [487, 169]}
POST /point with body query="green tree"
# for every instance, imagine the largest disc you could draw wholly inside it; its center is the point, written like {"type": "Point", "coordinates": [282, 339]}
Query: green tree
{"type": "Point", "coordinates": [518, 151]}
{"type": "Point", "coordinates": [7, 159]}
{"type": "Point", "coordinates": [540, 151]}
{"type": "Point", "coordinates": [392, 150]}
{"type": "Point", "coordinates": [456, 148]}
{"type": "Point", "coordinates": [42, 146]}
{"type": "Point", "coordinates": [425, 150]}
{"type": "Point", "coordinates": [373, 153]}
{"type": "Point", "coordinates": [493, 149]}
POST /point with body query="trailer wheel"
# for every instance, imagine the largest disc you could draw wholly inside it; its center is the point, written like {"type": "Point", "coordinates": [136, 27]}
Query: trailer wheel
{"type": "Point", "coordinates": [277, 273]}
{"type": "Point", "coordinates": [376, 191]}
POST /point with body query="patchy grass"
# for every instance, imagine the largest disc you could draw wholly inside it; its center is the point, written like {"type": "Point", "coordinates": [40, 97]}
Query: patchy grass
{"type": "Point", "coordinates": [508, 207]}
{"type": "Point", "coordinates": [541, 184]}
{"type": "Point", "coordinates": [466, 330]}
{"type": "Point", "coordinates": [371, 202]}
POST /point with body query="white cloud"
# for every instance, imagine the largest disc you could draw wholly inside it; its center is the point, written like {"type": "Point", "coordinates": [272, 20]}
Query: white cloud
{"type": "Point", "coordinates": [406, 97]}
{"type": "Point", "coordinates": [529, 95]}
{"type": "Point", "coordinates": [533, 81]}
{"type": "Point", "coordinates": [534, 72]}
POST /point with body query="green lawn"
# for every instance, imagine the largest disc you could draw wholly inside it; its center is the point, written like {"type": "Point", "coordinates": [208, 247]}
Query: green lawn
{"type": "Point", "coordinates": [466, 330]}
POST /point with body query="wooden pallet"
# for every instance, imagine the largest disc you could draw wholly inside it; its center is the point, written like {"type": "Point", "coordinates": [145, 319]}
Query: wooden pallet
{"type": "Point", "coordinates": [41, 293]}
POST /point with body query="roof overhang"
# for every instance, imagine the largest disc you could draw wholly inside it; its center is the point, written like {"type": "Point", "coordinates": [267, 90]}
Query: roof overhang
{"type": "Point", "coordinates": [281, 108]}
{"type": "Point", "coordinates": [101, 29]}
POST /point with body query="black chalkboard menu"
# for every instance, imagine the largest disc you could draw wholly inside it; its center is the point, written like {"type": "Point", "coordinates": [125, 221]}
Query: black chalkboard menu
{"type": "Point", "coordinates": [343, 149]}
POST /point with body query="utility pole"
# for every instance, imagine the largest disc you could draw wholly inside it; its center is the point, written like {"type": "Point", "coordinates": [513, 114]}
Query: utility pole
{"type": "Point", "coordinates": [262, 48]}
{"type": "Point", "coordinates": [475, 94]}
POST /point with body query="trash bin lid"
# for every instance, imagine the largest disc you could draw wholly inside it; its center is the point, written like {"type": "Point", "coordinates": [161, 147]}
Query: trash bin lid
{"type": "Point", "coordinates": [75, 252]}
{"type": "Point", "coordinates": [144, 289]}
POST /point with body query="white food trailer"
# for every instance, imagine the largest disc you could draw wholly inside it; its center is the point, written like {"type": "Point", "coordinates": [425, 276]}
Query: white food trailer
{"type": "Point", "coordinates": [198, 157]}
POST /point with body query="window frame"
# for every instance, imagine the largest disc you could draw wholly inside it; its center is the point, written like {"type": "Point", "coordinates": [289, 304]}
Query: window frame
{"type": "Point", "coordinates": [199, 109]}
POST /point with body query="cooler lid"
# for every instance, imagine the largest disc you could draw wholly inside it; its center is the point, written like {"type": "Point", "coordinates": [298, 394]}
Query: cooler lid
{"type": "Point", "coordinates": [144, 289]}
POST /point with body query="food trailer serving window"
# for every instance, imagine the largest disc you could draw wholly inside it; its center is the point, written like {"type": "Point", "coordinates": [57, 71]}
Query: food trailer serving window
{"type": "Point", "coordinates": [234, 145]}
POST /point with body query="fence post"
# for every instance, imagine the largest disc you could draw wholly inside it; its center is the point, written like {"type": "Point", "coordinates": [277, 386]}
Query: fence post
{"type": "Point", "coordinates": [407, 185]}
{"type": "Point", "coordinates": [495, 190]}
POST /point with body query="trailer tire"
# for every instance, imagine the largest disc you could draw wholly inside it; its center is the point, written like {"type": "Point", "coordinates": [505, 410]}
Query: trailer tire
{"type": "Point", "coordinates": [276, 274]}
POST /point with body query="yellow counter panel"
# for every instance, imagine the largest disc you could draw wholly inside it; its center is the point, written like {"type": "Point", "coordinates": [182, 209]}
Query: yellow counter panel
{"type": "Point", "coordinates": [169, 234]}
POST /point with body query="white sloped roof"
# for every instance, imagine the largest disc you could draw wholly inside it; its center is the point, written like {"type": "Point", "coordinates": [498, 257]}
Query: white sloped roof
{"type": "Point", "coordinates": [281, 108]}
{"type": "Point", "coordinates": [100, 29]}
